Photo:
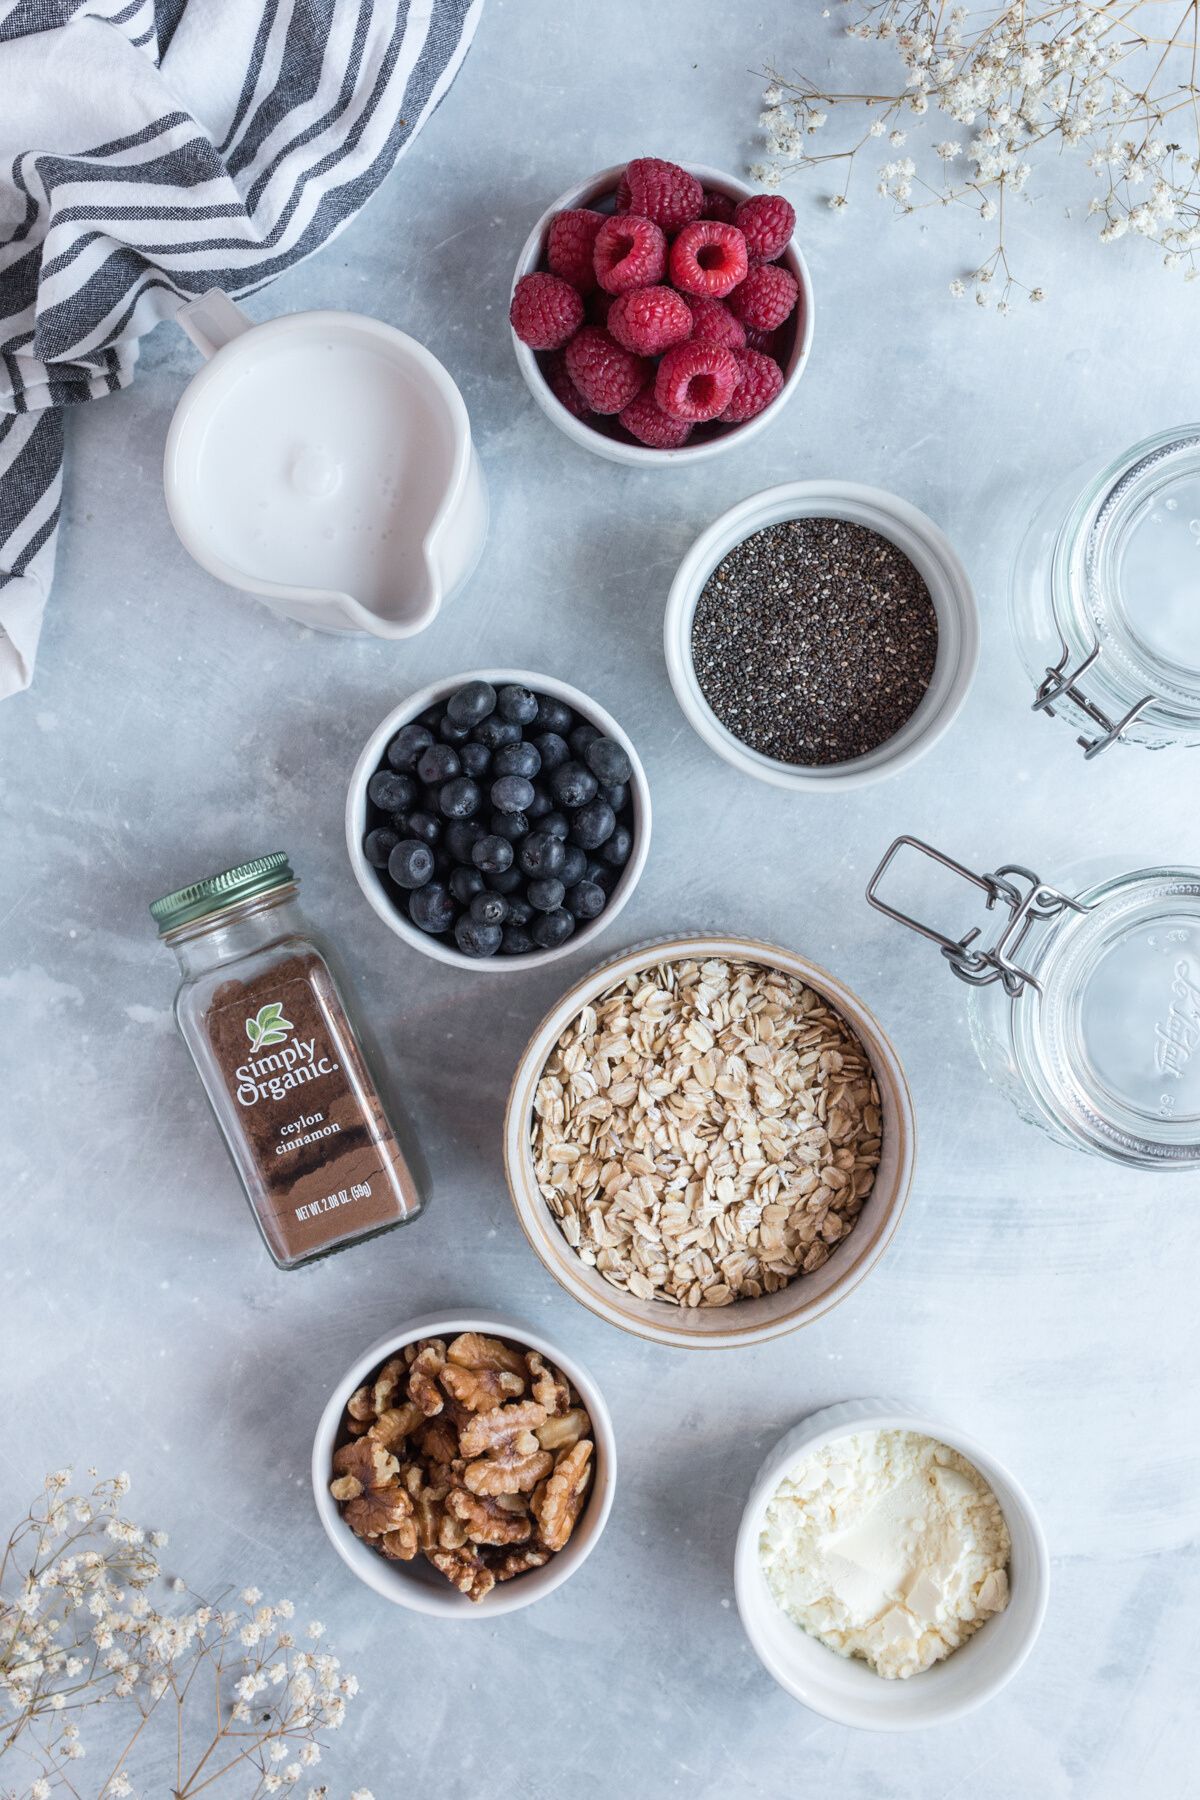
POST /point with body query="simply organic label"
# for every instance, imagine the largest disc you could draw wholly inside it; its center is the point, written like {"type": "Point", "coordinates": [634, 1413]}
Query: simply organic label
{"type": "Point", "coordinates": [288, 1063]}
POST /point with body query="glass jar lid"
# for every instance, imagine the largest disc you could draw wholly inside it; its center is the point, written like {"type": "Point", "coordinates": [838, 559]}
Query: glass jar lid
{"type": "Point", "coordinates": [218, 892]}
{"type": "Point", "coordinates": [1109, 1037]}
{"type": "Point", "coordinates": [1126, 593]}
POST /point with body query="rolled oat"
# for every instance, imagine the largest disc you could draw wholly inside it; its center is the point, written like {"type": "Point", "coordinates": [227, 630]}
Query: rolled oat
{"type": "Point", "coordinates": [706, 1132]}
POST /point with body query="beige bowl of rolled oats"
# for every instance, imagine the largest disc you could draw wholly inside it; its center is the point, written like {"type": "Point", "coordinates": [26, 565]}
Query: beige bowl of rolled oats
{"type": "Point", "coordinates": [709, 1141]}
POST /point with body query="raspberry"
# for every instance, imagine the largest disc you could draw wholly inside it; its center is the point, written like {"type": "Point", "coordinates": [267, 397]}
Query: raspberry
{"type": "Point", "coordinates": [645, 420]}
{"type": "Point", "coordinates": [767, 222]}
{"type": "Point", "coordinates": [718, 206]}
{"type": "Point", "coordinates": [661, 191]}
{"type": "Point", "coordinates": [695, 381]}
{"type": "Point", "coordinates": [708, 258]}
{"type": "Point", "coordinates": [650, 320]}
{"type": "Point", "coordinates": [759, 380]}
{"type": "Point", "coordinates": [562, 387]}
{"type": "Point", "coordinates": [630, 252]}
{"type": "Point", "coordinates": [765, 298]}
{"type": "Point", "coordinates": [607, 375]}
{"type": "Point", "coordinates": [569, 246]}
{"type": "Point", "coordinates": [545, 311]}
{"type": "Point", "coordinates": [713, 323]}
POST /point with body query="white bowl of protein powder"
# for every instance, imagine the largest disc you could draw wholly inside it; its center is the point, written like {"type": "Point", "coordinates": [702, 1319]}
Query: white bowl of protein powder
{"type": "Point", "coordinates": [889, 1572]}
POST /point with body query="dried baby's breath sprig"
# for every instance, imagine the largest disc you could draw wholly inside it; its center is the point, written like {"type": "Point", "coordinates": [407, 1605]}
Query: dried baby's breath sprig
{"type": "Point", "coordinates": [1017, 82]}
{"type": "Point", "coordinates": [228, 1684]}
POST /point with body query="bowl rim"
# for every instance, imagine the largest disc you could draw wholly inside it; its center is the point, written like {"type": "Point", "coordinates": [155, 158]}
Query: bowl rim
{"type": "Point", "coordinates": [642, 455]}
{"type": "Point", "coordinates": [662, 1325]}
{"type": "Point", "coordinates": [845, 1419]}
{"type": "Point", "coordinates": [917, 537]}
{"type": "Point", "coordinates": [368, 761]}
{"type": "Point", "coordinates": [512, 1596]}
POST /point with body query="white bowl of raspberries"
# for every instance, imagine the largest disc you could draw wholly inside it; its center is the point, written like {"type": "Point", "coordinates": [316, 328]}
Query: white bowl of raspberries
{"type": "Point", "coordinates": [662, 314]}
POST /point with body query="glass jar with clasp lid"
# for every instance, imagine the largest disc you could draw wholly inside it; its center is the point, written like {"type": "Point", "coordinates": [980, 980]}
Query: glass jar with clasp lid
{"type": "Point", "coordinates": [1084, 1005]}
{"type": "Point", "coordinates": [1105, 598]}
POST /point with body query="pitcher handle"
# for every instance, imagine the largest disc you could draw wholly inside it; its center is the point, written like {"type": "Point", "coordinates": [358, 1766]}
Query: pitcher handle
{"type": "Point", "coordinates": [212, 321]}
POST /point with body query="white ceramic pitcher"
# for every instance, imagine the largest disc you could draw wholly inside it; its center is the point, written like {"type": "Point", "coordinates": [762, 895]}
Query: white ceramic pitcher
{"type": "Point", "coordinates": [323, 462]}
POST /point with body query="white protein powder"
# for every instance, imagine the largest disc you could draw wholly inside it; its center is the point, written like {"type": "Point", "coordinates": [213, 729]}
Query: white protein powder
{"type": "Point", "coordinates": [887, 1546]}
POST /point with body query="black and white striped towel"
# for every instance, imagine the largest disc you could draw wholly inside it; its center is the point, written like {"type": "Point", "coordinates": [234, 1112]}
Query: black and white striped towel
{"type": "Point", "coordinates": [150, 150]}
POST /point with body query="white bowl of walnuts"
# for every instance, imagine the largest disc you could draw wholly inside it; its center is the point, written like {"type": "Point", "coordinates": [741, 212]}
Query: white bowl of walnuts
{"type": "Point", "coordinates": [464, 1466]}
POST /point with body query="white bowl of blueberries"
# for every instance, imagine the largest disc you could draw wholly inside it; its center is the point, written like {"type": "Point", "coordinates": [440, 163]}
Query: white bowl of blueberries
{"type": "Point", "coordinates": [499, 818]}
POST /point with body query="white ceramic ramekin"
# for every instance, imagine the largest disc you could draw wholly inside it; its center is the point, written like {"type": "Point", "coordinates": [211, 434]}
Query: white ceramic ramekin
{"type": "Point", "coordinates": [926, 547]}
{"type": "Point", "coordinates": [598, 187]}
{"type": "Point", "coordinates": [372, 756]}
{"type": "Point", "coordinates": [843, 1688]}
{"type": "Point", "coordinates": [745, 1321]}
{"type": "Point", "coordinates": [417, 1585]}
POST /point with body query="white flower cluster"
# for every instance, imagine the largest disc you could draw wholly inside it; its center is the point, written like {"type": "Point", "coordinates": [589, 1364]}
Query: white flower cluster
{"type": "Point", "coordinates": [78, 1629]}
{"type": "Point", "coordinates": [1020, 81]}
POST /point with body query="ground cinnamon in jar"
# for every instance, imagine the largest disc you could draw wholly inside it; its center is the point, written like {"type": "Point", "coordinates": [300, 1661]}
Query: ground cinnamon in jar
{"type": "Point", "coordinates": [289, 1083]}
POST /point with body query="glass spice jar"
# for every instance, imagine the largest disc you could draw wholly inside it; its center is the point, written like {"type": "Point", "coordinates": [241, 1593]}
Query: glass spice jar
{"type": "Point", "coordinates": [1084, 1006]}
{"type": "Point", "coordinates": [317, 1151]}
{"type": "Point", "coordinates": [1105, 598]}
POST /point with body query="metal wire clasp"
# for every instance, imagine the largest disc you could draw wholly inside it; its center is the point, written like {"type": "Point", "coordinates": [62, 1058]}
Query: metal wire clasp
{"type": "Point", "coordinates": [1028, 898]}
{"type": "Point", "coordinates": [1062, 683]}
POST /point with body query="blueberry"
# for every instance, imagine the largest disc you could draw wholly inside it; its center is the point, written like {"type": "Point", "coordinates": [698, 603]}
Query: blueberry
{"type": "Point", "coordinates": [492, 854]}
{"type": "Point", "coordinates": [476, 760]}
{"type": "Point", "coordinates": [515, 941]}
{"type": "Point", "coordinates": [506, 882]}
{"type": "Point", "coordinates": [429, 797]}
{"type": "Point", "coordinates": [580, 738]}
{"type": "Point", "coordinates": [378, 846]}
{"type": "Point", "coordinates": [391, 792]}
{"type": "Point", "coordinates": [431, 908]}
{"type": "Point", "coordinates": [472, 703]}
{"type": "Point", "coordinates": [411, 863]}
{"type": "Point", "coordinates": [541, 804]}
{"type": "Point", "coordinates": [437, 764]}
{"type": "Point", "coordinates": [593, 824]}
{"type": "Point", "coordinates": [546, 895]}
{"type": "Point", "coordinates": [518, 759]}
{"type": "Point", "coordinates": [519, 910]}
{"type": "Point", "coordinates": [509, 825]}
{"type": "Point", "coordinates": [601, 874]}
{"type": "Point", "coordinates": [586, 900]}
{"type": "Point", "coordinates": [431, 718]}
{"type": "Point", "coordinates": [573, 785]}
{"type": "Point", "coordinates": [551, 929]}
{"type": "Point", "coordinates": [553, 750]}
{"type": "Point", "coordinates": [616, 793]}
{"type": "Point", "coordinates": [575, 867]}
{"type": "Point", "coordinates": [556, 824]}
{"type": "Point", "coordinates": [462, 835]}
{"type": "Point", "coordinates": [552, 715]}
{"type": "Point", "coordinates": [410, 742]}
{"type": "Point", "coordinates": [615, 851]}
{"type": "Point", "coordinates": [541, 854]}
{"type": "Point", "coordinates": [607, 761]}
{"type": "Point", "coordinates": [517, 705]}
{"type": "Point", "coordinates": [460, 798]}
{"type": "Point", "coordinates": [450, 733]}
{"type": "Point", "coordinates": [424, 826]}
{"type": "Point", "coordinates": [495, 732]}
{"type": "Point", "coordinates": [464, 884]}
{"type": "Point", "coordinates": [511, 793]}
{"type": "Point", "coordinates": [488, 908]}
{"type": "Point", "coordinates": [474, 939]}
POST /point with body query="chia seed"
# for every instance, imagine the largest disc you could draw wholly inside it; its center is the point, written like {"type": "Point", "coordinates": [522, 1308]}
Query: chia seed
{"type": "Point", "coordinates": [814, 640]}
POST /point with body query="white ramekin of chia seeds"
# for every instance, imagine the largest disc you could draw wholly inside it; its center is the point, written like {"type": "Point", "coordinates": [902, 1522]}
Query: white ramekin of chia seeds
{"type": "Point", "coordinates": [943, 666]}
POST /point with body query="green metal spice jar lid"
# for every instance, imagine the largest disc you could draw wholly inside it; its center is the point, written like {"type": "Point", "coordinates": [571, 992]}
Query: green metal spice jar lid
{"type": "Point", "coordinates": [216, 892]}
